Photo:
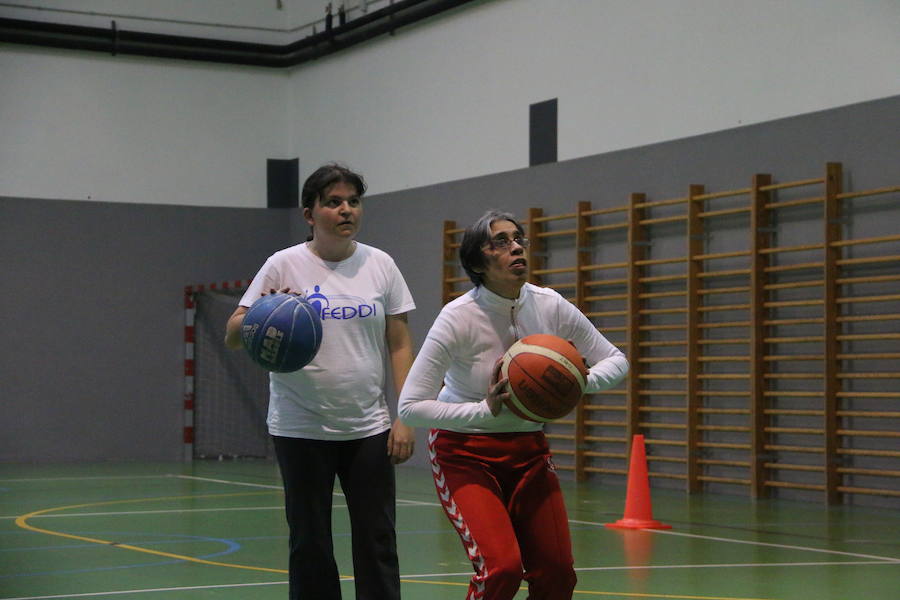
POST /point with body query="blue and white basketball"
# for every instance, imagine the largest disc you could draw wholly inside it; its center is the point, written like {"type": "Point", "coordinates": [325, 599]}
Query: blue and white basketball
{"type": "Point", "coordinates": [282, 332]}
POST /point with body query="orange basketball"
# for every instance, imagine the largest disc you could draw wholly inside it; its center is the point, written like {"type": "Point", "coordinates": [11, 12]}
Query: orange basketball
{"type": "Point", "coordinates": [546, 376]}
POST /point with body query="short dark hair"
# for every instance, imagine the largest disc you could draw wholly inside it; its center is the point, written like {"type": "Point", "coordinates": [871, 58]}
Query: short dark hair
{"type": "Point", "coordinates": [323, 178]}
{"type": "Point", "coordinates": [478, 234]}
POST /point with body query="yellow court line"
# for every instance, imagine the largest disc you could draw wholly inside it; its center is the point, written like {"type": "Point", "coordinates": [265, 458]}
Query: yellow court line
{"type": "Point", "coordinates": [22, 522]}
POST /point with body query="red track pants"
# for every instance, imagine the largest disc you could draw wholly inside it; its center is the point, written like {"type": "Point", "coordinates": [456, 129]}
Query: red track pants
{"type": "Point", "coordinates": [502, 495]}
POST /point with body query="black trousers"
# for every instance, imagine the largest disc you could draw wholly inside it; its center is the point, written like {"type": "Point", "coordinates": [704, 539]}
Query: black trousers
{"type": "Point", "coordinates": [308, 469]}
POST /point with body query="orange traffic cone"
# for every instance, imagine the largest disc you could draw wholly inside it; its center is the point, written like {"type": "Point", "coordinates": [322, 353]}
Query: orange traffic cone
{"type": "Point", "coordinates": [638, 510]}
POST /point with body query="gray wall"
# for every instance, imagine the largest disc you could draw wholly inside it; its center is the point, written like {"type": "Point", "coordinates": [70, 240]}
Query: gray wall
{"type": "Point", "coordinates": [91, 366]}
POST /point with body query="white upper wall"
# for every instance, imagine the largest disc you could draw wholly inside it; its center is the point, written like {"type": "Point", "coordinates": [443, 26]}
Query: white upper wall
{"type": "Point", "coordinates": [85, 126]}
{"type": "Point", "coordinates": [442, 100]}
{"type": "Point", "coordinates": [450, 99]}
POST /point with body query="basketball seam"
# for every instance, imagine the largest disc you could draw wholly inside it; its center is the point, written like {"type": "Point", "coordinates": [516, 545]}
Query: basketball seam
{"type": "Point", "coordinates": [271, 316]}
{"type": "Point", "coordinates": [558, 357]}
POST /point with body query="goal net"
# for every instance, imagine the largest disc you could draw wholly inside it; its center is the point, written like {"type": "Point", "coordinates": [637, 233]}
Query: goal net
{"type": "Point", "coordinates": [231, 392]}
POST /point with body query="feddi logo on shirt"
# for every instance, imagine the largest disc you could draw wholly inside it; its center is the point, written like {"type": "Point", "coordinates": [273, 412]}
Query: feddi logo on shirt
{"type": "Point", "coordinates": [340, 306]}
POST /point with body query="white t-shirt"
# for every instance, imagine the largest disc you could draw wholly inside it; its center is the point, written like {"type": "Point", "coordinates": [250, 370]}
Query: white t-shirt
{"type": "Point", "coordinates": [339, 395]}
{"type": "Point", "coordinates": [450, 377]}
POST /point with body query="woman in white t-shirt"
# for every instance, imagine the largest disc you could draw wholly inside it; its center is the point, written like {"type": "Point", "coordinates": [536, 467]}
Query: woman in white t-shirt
{"type": "Point", "coordinates": [330, 418]}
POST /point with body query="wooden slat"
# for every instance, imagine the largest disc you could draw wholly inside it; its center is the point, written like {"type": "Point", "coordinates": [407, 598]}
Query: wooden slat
{"type": "Point", "coordinates": [600, 282]}
{"type": "Point", "coordinates": [722, 194]}
{"type": "Point", "coordinates": [548, 218]}
{"type": "Point", "coordinates": [719, 255]}
{"type": "Point", "coordinates": [723, 463]}
{"type": "Point", "coordinates": [554, 271]}
{"type": "Point", "coordinates": [796, 267]}
{"type": "Point", "coordinates": [871, 491]}
{"type": "Point", "coordinates": [794, 285]}
{"type": "Point", "coordinates": [775, 322]}
{"type": "Point", "coordinates": [867, 193]}
{"type": "Point", "coordinates": [556, 233]}
{"type": "Point", "coordinates": [871, 240]}
{"type": "Point", "coordinates": [669, 202]}
{"type": "Point", "coordinates": [868, 433]}
{"type": "Point", "coordinates": [723, 307]}
{"type": "Point", "coordinates": [582, 257]}
{"type": "Point", "coordinates": [662, 278]}
{"type": "Point", "coordinates": [663, 220]}
{"type": "Point", "coordinates": [868, 260]}
{"type": "Point", "coordinates": [723, 290]}
{"type": "Point", "coordinates": [759, 240]}
{"type": "Point", "coordinates": [606, 266]}
{"type": "Point", "coordinates": [606, 211]}
{"type": "Point", "coordinates": [868, 279]}
{"type": "Point", "coordinates": [695, 231]}
{"type": "Point", "coordinates": [663, 311]}
{"type": "Point", "coordinates": [661, 261]}
{"type": "Point", "coordinates": [793, 467]}
{"type": "Point", "coordinates": [794, 412]}
{"type": "Point", "coordinates": [795, 486]}
{"type": "Point", "coordinates": [676, 294]}
{"type": "Point", "coordinates": [787, 303]}
{"type": "Point", "coordinates": [637, 251]}
{"type": "Point", "coordinates": [860, 299]}
{"type": "Point", "coordinates": [449, 268]}
{"type": "Point", "coordinates": [859, 318]}
{"type": "Point", "coordinates": [790, 184]}
{"type": "Point", "coordinates": [535, 253]}
{"type": "Point", "coordinates": [781, 249]}
{"type": "Point", "coordinates": [609, 227]}
{"type": "Point", "coordinates": [793, 203]}
{"type": "Point", "coordinates": [728, 273]}
{"type": "Point", "coordinates": [724, 324]}
{"type": "Point", "coordinates": [675, 327]}
{"type": "Point", "coordinates": [831, 290]}
{"type": "Point", "coordinates": [724, 212]}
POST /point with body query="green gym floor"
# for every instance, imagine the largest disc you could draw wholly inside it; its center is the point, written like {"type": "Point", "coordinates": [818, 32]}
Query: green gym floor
{"type": "Point", "coordinates": [216, 530]}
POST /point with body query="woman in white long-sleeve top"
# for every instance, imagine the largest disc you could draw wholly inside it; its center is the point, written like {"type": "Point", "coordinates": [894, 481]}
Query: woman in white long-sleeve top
{"type": "Point", "coordinates": [493, 470]}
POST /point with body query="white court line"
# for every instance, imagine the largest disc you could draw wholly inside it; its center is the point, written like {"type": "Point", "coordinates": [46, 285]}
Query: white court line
{"type": "Point", "coordinates": [887, 559]}
{"type": "Point", "coordinates": [699, 566]}
{"type": "Point", "coordinates": [131, 513]}
{"type": "Point", "coordinates": [144, 591]}
{"type": "Point", "coordinates": [461, 574]}
{"type": "Point", "coordinates": [739, 565]}
{"type": "Point", "coordinates": [85, 478]}
{"type": "Point", "coordinates": [210, 480]}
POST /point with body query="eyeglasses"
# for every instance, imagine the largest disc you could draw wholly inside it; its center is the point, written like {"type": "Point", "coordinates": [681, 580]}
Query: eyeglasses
{"type": "Point", "coordinates": [506, 243]}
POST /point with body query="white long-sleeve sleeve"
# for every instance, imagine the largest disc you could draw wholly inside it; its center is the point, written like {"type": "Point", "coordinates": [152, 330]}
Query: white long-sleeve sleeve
{"type": "Point", "coordinates": [419, 405]}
